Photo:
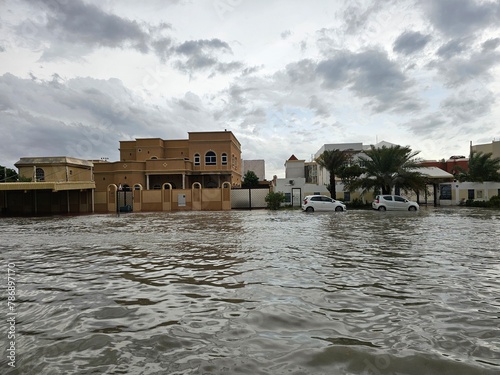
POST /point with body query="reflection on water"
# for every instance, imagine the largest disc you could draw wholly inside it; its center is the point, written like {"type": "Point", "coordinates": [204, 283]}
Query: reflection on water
{"type": "Point", "coordinates": [256, 292]}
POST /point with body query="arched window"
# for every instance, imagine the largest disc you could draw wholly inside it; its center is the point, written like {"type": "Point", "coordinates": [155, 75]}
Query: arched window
{"type": "Point", "coordinates": [224, 159]}
{"type": "Point", "coordinates": [210, 158]}
{"type": "Point", "coordinates": [196, 159]}
{"type": "Point", "coordinates": [40, 174]}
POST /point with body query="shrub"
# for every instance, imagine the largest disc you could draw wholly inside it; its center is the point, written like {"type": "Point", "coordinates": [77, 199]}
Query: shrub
{"type": "Point", "coordinates": [494, 202]}
{"type": "Point", "coordinates": [274, 200]}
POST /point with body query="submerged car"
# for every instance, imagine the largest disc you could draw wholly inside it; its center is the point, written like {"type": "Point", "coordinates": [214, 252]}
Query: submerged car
{"type": "Point", "coordinates": [313, 203]}
{"type": "Point", "coordinates": [393, 203]}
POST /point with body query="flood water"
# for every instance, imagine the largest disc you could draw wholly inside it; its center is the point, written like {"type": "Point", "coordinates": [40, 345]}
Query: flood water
{"type": "Point", "coordinates": [255, 292]}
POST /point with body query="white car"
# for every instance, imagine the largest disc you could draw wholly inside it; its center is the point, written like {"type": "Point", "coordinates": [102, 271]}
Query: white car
{"type": "Point", "coordinates": [322, 203]}
{"type": "Point", "coordinates": [393, 203]}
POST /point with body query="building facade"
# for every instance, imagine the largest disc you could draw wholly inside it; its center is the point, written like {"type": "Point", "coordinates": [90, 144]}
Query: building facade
{"type": "Point", "coordinates": [207, 158]}
{"type": "Point", "coordinates": [167, 175]}
{"type": "Point", "coordinates": [51, 185]}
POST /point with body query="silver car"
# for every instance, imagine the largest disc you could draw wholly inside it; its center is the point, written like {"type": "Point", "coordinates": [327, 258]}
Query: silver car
{"type": "Point", "coordinates": [322, 203]}
{"type": "Point", "coordinates": [393, 203]}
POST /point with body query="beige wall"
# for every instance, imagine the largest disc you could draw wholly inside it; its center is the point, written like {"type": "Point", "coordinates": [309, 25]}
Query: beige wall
{"type": "Point", "coordinates": [55, 173]}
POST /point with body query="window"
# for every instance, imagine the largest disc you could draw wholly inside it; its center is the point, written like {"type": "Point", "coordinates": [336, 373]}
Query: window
{"type": "Point", "coordinates": [224, 159]}
{"type": "Point", "coordinates": [316, 199]}
{"type": "Point", "coordinates": [288, 197]}
{"type": "Point", "coordinates": [326, 199]}
{"type": "Point", "coordinates": [479, 194]}
{"type": "Point", "coordinates": [347, 196]}
{"type": "Point", "coordinates": [210, 158]}
{"type": "Point", "coordinates": [387, 197]}
{"type": "Point", "coordinates": [399, 199]}
{"type": "Point", "coordinates": [470, 194]}
{"type": "Point", "coordinates": [445, 192]}
{"type": "Point", "coordinates": [40, 174]}
{"type": "Point", "coordinates": [196, 159]}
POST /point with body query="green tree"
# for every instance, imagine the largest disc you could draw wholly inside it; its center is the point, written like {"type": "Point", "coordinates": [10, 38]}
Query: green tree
{"type": "Point", "coordinates": [387, 167]}
{"type": "Point", "coordinates": [333, 161]}
{"type": "Point", "coordinates": [274, 200]}
{"type": "Point", "coordinates": [7, 174]}
{"type": "Point", "coordinates": [250, 179]}
{"type": "Point", "coordinates": [482, 167]}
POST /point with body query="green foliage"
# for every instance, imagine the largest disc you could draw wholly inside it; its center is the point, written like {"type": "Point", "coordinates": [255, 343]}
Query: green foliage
{"type": "Point", "coordinates": [482, 167]}
{"type": "Point", "coordinates": [387, 167]}
{"type": "Point", "coordinates": [250, 180]}
{"type": "Point", "coordinates": [333, 161]}
{"type": "Point", "coordinates": [494, 202]}
{"type": "Point", "coordinates": [274, 200]}
{"type": "Point", "coordinates": [10, 176]}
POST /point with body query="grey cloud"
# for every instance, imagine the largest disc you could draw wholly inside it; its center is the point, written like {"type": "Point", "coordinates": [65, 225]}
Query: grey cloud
{"type": "Point", "coordinates": [77, 22]}
{"type": "Point", "coordinates": [410, 42]}
{"type": "Point", "coordinates": [197, 55]}
{"type": "Point", "coordinates": [72, 29]}
{"type": "Point", "coordinates": [356, 16]}
{"type": "Point", "coordinates": [460, 70]}
{"type": "Point", "coordinates": [491, 44]}
{"type": "Point", "coordinates": [462, 17]}
{"type": "Point", "coordinates": [468, 106]}
{"type": "Point", "coordinates": [81, 117]}
{"type": "Point", "coordinates": [285, 34]}
{"type": "Point", "coordinates": [452, 48]}
{"type": "Point", "coordinates": [2, 49]}
{"type": "Point", "coordinates": [371, 75]}
{"type": "Point", "coordinates": [428, 124]}
{"type": "Point", "coordinates": [320, 107]}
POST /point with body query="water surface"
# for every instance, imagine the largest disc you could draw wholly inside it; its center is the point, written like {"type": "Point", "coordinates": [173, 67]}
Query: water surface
{"type": "Point", "coordinates": [256, 292]}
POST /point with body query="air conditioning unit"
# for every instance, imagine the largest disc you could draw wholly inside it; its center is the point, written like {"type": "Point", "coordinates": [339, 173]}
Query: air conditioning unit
{"type": "Point", "coordinates": [291, 182]}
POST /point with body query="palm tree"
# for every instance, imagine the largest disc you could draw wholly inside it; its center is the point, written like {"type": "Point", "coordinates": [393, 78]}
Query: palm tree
{"type": "Point", "coordinates": [332, 161]}
{"type": "Point", "coordinates": [482, 167]}
{"type": "Point", "coordinates": [387, 167]}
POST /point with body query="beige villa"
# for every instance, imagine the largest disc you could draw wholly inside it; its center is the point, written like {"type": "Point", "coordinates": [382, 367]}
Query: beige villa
{"type": "Point", "coordinates": [163, 175]}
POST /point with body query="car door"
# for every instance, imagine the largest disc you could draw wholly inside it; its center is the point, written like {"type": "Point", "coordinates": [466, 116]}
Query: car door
{"type": "Point", "coordinates": [388, 202]}
{"type": "Point", "coordinates": [400, 203]}
{"type": "Point", "coordinates": [327, 204]}
{"type": "Point", "coordinates": [316, 203]}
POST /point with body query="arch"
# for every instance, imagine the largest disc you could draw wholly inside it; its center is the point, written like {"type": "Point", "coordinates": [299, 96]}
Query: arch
{"type": "Point", "coordinates": [111, 197]}
{"type": "Point", "coordinates": [196, 196]}
{"type": "Point", "coordinates": [226, 196]}
{"type": "Point", "coordinates": [39, 175]}
{"type": "Point", "coordinates": [166, 197]}
{"type": "Point", "coordinates": [154, 158]}
{"type": "Point", "coordinates": [210, 158]}
{"type": "Point", "coordinates": [137, 197]}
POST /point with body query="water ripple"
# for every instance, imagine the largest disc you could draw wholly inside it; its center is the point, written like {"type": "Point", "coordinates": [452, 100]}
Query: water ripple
{"type": "Point", "coordinates": [361, 292]}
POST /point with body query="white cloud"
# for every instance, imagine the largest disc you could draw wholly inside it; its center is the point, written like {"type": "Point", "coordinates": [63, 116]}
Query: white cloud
{"type": "Point", "coordinates": [286, 77]}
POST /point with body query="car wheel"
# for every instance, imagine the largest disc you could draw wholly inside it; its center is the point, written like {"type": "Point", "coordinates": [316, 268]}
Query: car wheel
{"type": "Point", "coordinates": [382, 208]}
{"type": "Point", "coordinates": [412, 208]}
{"type": "Point", "coordinates": [309, 209]}
{"type": "Point", "coordinates": [338, 208]}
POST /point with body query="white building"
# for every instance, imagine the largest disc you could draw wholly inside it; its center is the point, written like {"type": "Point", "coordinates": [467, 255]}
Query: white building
{"type": "Point", "coordinates": [258, 166]}
{"type": "Point", "coordinates": [300, 180]}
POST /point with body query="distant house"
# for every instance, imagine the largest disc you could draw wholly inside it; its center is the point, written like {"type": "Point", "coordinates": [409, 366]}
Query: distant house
{"type": "Point", "coordinates": [300, 180]}
{"type": "Point", "coordinates": [53, 185]}
{"type": "Point", "coordinates": [257, 166]}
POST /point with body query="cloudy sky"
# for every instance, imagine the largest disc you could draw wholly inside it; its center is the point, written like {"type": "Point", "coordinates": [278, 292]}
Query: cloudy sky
{"type": "Point", "coordinates": [286, 76]}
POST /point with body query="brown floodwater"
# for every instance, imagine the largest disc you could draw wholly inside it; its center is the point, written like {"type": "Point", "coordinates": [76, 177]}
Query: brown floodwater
{"type": "Point", "coordinates": [254, 292]}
